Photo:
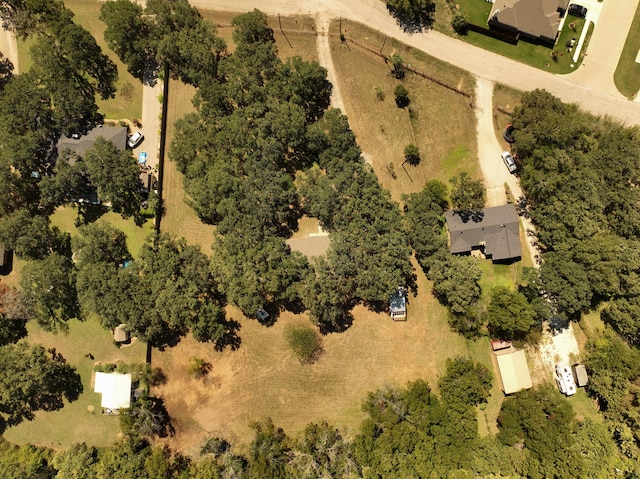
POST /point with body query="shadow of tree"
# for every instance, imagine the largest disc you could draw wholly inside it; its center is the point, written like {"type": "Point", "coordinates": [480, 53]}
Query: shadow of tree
{"type": "Point", "coordinates": [230, 338]}
{"type": "Point", "coordinates": [423, 21]}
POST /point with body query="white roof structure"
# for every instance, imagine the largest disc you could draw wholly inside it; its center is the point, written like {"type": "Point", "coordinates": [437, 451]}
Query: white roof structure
{"type": "Point", "coordinates": [514, 372]}
{"type": "Point", "coordinates": [115, 389]}
{"type": "Point", "coordinates": [565, 380]}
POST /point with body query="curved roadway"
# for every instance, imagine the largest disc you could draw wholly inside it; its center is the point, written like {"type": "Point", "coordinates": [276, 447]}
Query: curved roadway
{"type": "Point", "coordinates": [592, 89]}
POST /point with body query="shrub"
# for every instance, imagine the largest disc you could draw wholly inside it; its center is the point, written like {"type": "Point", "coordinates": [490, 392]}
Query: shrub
{"type": "Point", "coordinates": [460, 24]}
{"type": "Point", "coordinates": [412, 154]}
{"type": "Point", "coordinates": [397, 71]}
{"type": "Point", "coordinates": [305, 343]}
{"type": "Point", "coordinates": [380, 93]}
{"type": "Point", "coordinates": [402, 96]}
{"type": "Point", "coordinates": [198, 367]}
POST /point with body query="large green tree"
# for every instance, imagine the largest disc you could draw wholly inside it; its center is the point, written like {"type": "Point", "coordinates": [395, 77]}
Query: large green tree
{"type": "Point", "coordinates": [115, 174]}
{"type": "Point", "coordinates": [413, 14]}
{"type": "Point", "coordinates": [510, 315]}
{"type": "Point", "coordinates": [465, 382]}
{"type": "Point", "coordinates": [33, 379]}
{"type": "Point", "coordinates": [49, 286]}
{"type": "Point", "coordinates": [467, 195]}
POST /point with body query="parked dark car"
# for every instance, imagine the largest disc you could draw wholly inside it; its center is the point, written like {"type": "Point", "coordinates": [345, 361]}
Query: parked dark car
{"type": "Point", "coordinates": [577, 10]}
{"type": "Point", "coordinates": [507, 134]}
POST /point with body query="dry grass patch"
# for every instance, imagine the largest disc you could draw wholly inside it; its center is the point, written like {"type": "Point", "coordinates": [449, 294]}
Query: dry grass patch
{"type": "Point", "coordinates": [439, 121]}
{"type": "Point", "coordinates": [263, 379]}
{"type": "Point", "coordinates": [180, 219]}
{"type": "Point", "coordinates": [297, 37]}
{"type": "Point", "coordinates": [506, 99]}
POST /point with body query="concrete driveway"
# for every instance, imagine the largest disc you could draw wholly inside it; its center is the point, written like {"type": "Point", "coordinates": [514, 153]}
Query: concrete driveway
{"type": "Point", "coordinates": [613, 21]}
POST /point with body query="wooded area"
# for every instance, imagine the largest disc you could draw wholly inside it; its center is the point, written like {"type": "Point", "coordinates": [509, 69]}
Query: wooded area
{"type": "Point", "coordinates": [261, 151]}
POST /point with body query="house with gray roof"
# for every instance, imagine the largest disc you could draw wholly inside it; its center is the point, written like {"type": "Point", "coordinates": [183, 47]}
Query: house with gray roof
{"type": "Point", "coordinates": [80, 144]}
{"type": "Point", "coordinates": [537, 21]}
{"type": "Point", "coordinates": [494, 231]}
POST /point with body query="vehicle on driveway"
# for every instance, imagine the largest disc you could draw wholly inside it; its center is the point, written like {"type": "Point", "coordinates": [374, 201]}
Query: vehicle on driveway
{"type": "Point", "coordinates": [135, 139]}
{"type": "Point", "coordinates": [577, 10]}
{"type": "Point", "coordinates": [509, 161]}
{"type": "Point", "coordinates": [507, 134]}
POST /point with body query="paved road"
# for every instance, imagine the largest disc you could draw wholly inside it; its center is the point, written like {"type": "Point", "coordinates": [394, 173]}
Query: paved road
{"type": "Point", "coordinates": [484, 64]}
{"type": "Point", "coordinates": [606, 43]}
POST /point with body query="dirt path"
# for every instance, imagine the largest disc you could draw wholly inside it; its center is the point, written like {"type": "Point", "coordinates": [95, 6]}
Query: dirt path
{"type": "Point", "coordinates": [554, 347]}
{"type": "Point", "coordinates": [9, 48]}
{"type": "Point", "coordinates": [480, 62]}
{"type": "Point", "coordinates": [323, 21]}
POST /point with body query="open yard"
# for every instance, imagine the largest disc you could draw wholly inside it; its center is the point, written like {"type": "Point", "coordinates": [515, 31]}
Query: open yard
{"type": "Point", "coordinates": [537, 55]}
{"type": "Point", "coordinates": [81, 420]}
{"type": "Point", "coordinates": [438, 120]}
{"type": "Point", "coordinates": [262, 378]}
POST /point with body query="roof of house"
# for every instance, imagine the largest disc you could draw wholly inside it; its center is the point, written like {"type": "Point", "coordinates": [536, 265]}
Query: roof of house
{"type": "Point", "coordinates": [115, 134]}
{"type": "Point", "coordinates": [538, 18]}
{"type": "Point", "coordinates": [514, 372]}
{"type": "Point", "coordinates": [115, 389]}
{"type": "Point", "coordinates": [497, 229]}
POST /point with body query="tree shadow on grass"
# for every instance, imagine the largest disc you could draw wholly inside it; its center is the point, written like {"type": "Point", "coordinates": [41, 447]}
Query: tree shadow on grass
{"type": "Point", "coordinates": [230, 338]}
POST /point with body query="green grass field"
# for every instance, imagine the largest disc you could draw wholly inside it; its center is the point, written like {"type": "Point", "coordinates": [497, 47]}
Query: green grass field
{"type": "Point", "coordinates": [81, 420]}
{"type": "Point", "coordinates": [627, 74]}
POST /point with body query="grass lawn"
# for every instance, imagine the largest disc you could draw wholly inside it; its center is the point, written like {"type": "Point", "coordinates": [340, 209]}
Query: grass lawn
{"type": "Point", "coordinates": [506, 99]}
{"type": "Point", "coordinates": [180, 219]}
{"type": "Point", "coordinates": [627, 74]}
{"type": "Point", "coordinates": [476, 11]}
{"type": "Point", "coordinates": [79, 421]}
{"type": "Point", "coordinates": [439, 121]}
{"type": "Point", "coordinates": [127, 103]}
{"type": "Point", "coordinates": [536, 55]}
{"type": "Point", "coordinates": [64, 218]}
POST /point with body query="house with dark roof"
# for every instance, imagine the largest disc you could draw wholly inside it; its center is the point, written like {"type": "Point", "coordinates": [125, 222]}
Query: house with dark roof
{"type": "Point", "coordinates": [80, 144]}
{"type": "Point", "coordinates": [494, 231]}
{"type": "Point", "coordinates": [537, 21]}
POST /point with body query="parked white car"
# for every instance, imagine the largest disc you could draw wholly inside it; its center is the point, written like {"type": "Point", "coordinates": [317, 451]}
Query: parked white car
{"type": "Point", "coordinates": [509, 161]}
{"type": "Point", "coordinates": [135, 139]}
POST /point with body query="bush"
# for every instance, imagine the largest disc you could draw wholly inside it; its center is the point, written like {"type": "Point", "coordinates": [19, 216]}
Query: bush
{"type": "Point", "coordinates": [305, 343]}
{"type": "Point", "coordinates": [198, 368]}
{"type": "Point", "coordinates": [398, 71]}
{"type": "Point", "coordinates": [402, 96]}
{"type": "Point", "coordinates": [380, 93]}
{"type": "Point", "coordinates": [412, 154]}
{"type": "Point", "coordinates": [460, 24]}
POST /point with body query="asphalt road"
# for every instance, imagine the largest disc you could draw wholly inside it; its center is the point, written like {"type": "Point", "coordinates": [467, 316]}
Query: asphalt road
{"type": "Point", "coordinates": [592, 90]}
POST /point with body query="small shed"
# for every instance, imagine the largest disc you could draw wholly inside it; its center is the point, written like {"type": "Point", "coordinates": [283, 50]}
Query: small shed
{"type": "Point", "coordinates": [580, 375]}
{"type": "Point", "coordinates": [120, 334]}
{"type": "Point", "coordinates": [564, 379]}
{"type": "Point", "coordinates": [398, 304]}
{"type": "Point", "coordinates": [513, 370]}
{"type": "Point", "coordinates": [115, 389]}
